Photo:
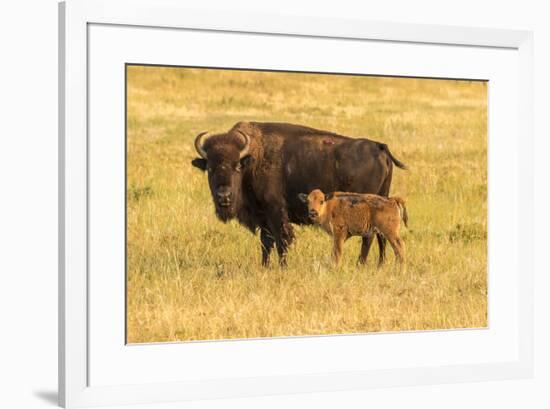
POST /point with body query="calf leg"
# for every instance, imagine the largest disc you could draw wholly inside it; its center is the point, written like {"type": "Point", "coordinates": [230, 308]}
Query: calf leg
{"type": "Point", "coordinates": [384, 191]}
{"type": "Point", "coordinates": [381, 249]}
{"type": "Point", "coordinates": [401, 245]}
{"type": "Point", "coordinates": [338, 246]}
{"type": "Point", "coordinates": [267, 244]}
{"type": "Point", "coordinates": [398, 247]}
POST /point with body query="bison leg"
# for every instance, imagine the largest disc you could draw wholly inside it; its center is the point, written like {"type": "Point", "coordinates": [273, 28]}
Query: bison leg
{"type": "Point", "coordinates": [267, 245]}
{"type": "Point", "coordinates": [338, 246]}
{"type": "Point", "coordinates": [286, 238]}
{"type": "Point", "coordinates": [365, 248]}
{"type": "Point", "coordinates": [399, 249]}
{"type": "Point", "coordinates": [282, 250]}
{"type": "Point", "coordinates": [384, 191]}
{"type": "Point", "coordinates": [382, 249]}
{"type": "Point", "coordinates": [283, 234]}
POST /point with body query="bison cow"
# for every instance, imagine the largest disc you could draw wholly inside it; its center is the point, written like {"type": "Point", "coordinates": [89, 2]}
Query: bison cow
{"type": "Point", "coordinates": [256, 171]}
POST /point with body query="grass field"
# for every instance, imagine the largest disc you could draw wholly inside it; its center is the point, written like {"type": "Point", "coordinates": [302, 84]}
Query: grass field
{"type": "Point", "coordinates": [191, 277]}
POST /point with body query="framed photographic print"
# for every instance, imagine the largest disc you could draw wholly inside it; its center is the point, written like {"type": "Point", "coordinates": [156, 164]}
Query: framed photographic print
{"type": "Point", "coordinates": [260, 204]}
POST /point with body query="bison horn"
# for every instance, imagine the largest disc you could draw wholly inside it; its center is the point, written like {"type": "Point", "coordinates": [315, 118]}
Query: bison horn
{"type": "Point", "coordinates": [198, 145]}
{"type": "Point", "coordinates": [246, 148]}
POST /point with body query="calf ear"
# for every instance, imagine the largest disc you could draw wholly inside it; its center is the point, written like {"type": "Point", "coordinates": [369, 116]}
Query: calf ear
{"type": "Point", "coordinates": [329, 196]}
{"type": "Point", "coordinates": [302, 197]}
{"type": "Point", "coordinates": [246, 161]}
{"type": "Point", "coordinates": [199, 163]}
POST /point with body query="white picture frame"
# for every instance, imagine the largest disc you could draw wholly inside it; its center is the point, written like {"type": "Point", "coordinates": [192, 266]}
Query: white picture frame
{"type": "Point", "coordinates": [75, 19]}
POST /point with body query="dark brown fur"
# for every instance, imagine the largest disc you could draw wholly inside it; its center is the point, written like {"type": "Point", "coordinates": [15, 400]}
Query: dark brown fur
{"type": "Point", "coordinates": [284, 160]}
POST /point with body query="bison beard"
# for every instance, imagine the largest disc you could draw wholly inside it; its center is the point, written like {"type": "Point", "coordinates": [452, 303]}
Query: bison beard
{"type": "Point", "coordinates": [256, 171]}
{"type": "Point", "coordinates": [225, 213]}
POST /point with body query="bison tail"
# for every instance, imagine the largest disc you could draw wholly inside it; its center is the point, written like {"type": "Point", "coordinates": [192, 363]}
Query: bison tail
{"type": "Point", "coordinates": [402, 209]}
{"type": "Point", "coordinates": [397, 163]}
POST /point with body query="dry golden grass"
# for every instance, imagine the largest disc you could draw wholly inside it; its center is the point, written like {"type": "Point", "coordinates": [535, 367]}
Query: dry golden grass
{"type": "Point", "coordinates": [191, 277]}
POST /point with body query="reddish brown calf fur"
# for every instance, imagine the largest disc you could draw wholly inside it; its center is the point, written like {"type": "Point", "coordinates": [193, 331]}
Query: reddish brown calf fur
{"type": "Point", "coordinates": [345, 214]}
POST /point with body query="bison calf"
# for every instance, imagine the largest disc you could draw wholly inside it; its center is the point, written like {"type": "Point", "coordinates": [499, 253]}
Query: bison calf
{"type": "Point", "coordinates": [344, 214]}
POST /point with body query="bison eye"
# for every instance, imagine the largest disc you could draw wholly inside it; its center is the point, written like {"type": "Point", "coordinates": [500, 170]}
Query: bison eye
{"type": "Point", "coordinates": [238, 167]}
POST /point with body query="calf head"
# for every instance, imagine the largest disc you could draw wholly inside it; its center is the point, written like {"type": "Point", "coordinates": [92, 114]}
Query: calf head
{"type": "Point", "coordinates": [225, 157]}
{"type": "Point", "coordinates": [316, 204]}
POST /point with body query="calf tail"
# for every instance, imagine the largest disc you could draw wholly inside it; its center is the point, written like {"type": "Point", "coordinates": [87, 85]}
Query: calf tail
{"type": "Point", "coordinates": [397, 163]}
{"type": "Point", "coordinates": [402, 209]}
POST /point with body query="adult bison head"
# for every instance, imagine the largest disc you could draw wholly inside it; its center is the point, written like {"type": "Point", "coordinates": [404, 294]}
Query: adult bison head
{"type": "Point", "coordinates": [226, 158]}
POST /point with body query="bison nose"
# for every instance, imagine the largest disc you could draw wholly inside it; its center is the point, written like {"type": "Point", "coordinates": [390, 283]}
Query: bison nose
{"type": "Point", "coordinates": [224, 196]}
{"type": "Point", "coordinates": [313, 213]}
